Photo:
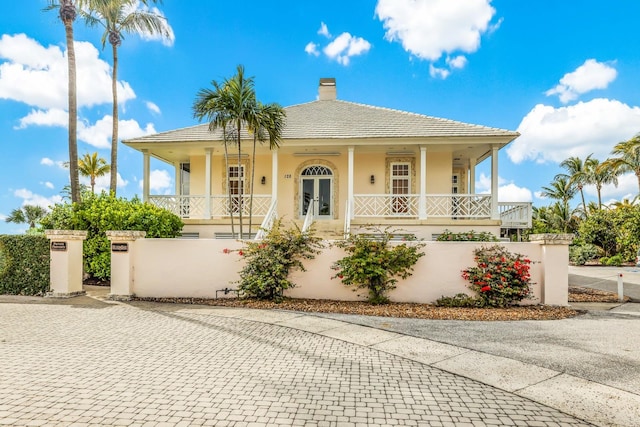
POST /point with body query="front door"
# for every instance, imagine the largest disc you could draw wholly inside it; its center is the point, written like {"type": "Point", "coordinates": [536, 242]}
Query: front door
{"type": "Point", "coordinates": [316, 185]}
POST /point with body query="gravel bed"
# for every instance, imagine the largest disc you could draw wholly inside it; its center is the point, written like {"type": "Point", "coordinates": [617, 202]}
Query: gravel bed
{"type": "Point", "coordinates": [578, 294]}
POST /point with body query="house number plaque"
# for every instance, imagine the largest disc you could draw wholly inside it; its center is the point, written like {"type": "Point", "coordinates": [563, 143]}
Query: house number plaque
{"type": "Point", "coordinates": [119, 247]}
{"type": "Point", "coordinates": [58, 246]}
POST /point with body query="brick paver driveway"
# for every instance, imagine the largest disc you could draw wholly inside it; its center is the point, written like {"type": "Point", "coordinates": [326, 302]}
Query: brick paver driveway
{"type": "Point", "coordinates": [151, 365]}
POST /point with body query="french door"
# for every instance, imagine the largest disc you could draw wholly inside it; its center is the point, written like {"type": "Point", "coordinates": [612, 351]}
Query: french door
{"type": "Point", "coordinates": [316, 185]}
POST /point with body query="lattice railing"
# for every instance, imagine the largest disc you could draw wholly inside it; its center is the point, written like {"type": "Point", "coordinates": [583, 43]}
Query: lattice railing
{"type": "Point", "coordinates": [516, 214]}
{"type": "Point", "coordinates": [183, 206]}
{"type": "Point", "coordinates": [195, 206]}
{"type": "Point", "coordinates": [472, 206]}
{"type": "Point", "coordinates": [269, 219]}
{"type": "Point", "coordinates": [381, 205]}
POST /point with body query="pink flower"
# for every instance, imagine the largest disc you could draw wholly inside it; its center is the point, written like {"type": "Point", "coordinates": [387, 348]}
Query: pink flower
{"type": "Point", "coordinates": [226, 251]}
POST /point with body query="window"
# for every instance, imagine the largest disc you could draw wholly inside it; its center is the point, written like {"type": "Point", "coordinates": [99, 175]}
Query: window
{"type": "Point", "coordinates": [400, 184]}
{"type": "Point", "coordinates": [236, 186]}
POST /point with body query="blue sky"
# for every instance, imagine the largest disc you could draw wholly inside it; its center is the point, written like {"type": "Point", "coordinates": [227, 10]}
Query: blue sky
{"type": "Point", "coordinates": [562, 73]}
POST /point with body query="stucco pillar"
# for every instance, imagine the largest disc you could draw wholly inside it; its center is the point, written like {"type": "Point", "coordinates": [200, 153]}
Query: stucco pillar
{"type": "Point", "coordinates": [494, 183]}
{"type": "Point", "coordinates": [122, 262]}
{"type": "Point", "coordinates": [207, 183]}
{"type": "Point", "coordinates": [177, 177]}
{"type": "Point", "coordinates": [350, 181]}
{"type": "Point", "coordinates": [65, 248]}
{"type": "Point", "coordinates": [554, 252]}
{"type": "Point", "coordinates": [472, 175]}
{"type": "Point", "coordinates": [422, 203]}
{"type": "Point", "coordinates": [146, 172]}
{"type": "Point", "coordinates": [274, 175]}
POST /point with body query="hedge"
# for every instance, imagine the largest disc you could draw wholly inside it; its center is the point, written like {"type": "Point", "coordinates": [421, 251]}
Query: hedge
{"type": "Point", "coordinates": [24, 264]}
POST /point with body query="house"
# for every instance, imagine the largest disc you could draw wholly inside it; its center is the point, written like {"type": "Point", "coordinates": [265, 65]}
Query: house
{"type": "Point", "coordinates": [341, 164]}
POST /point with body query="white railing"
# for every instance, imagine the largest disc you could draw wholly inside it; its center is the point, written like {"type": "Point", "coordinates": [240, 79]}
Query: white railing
{"type": "Point", "coordinates": [516, 214]}
{"type": "Point", "coordinates": [220, 206]}
{"type": "Point", "coordinates": [382, 205]}
{"type": "Point", "coordinates": [268, 220]}
{"type": "Point", "coordinates": [472, 206]}
{"type": "Point", "coordinates": [308, 218]}
{"type": "Point", "coordinates": [347, 220]}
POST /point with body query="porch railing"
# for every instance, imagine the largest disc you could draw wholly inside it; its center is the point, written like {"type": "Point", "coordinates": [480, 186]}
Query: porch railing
{"type": "Point", "coordinates": [382, 205]}
{"type": "Point", "coordinates": [308, 218]}
{"type": "Point", "coordinates": [269, 218]}
{"type": "Point", "coordinates": [471, 206]}
{"type": "Point", "coordinates": [220, 206]}
{"type": "Point", "coordinates": [516, 214]}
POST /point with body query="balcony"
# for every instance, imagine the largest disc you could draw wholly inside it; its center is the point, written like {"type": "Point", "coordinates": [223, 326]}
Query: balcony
{"type": "Point", "coordinates": [220, 206]}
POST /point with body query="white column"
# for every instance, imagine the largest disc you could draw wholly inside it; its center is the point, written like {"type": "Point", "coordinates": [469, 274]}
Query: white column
{"type": "Point", "coordinates": [145, 175]}
{"type": "Point", "coordinates": [494, 183]}
{"type": "Point", "coordinates": [177, 177]}
{"type": "Point", "coordinates": [207, 183]}
{"type": "Point", "coordinates": [422, 207]}
{"type": "Point", "coordinates": [274, 175]}
{"type": "Point", "coordinates": [472, 175]}
{"type": "Point", "coordinates": [350, 181]}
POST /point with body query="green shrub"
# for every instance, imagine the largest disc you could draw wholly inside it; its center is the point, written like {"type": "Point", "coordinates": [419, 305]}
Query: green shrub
{"type": "Point", "coordinates": [373, 264]}
{"type": "Point", "coordinates": [500, 278]}
{"type": "Point", "coordinates": [467, 236]}
{"type": "Point", "coordinates": [458, 300]}
{"type": "Point", "coordinates": [100, 213]}
{"type": "Point", "coordinates": [269, 261]}
{"type": "Point", "coordinates": [24, 265]}
{"type": "Point", "coordinates": [614, 261]}
{"type": "Point", "coordinates": [580, 254]}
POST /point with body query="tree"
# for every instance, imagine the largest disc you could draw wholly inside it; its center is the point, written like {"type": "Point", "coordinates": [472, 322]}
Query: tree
{"type": "Point", "coordinates": [561, 189]}
{"type": "Point", "coordinates": [600, 174]}
{"type": "Point", "coordinates": [68, 12]}
{"type": "Point", "coordinates": [27, 214]}
{"type": "Point", "coordinates": [627, 158]}
{"type": "Point", "coordinates": [268, 125]}
{"type": "Point", "coordinates": [578, 174]}
{"type": "Point", "coordinates": [231, 106]}
{"type": "Point", "coordinates": [119, 17]}
{"type": "Point", "coordinates": [92, 167]}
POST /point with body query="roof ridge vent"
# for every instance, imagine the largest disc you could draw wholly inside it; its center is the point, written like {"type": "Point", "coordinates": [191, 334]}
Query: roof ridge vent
{"type": "Point", "coordinates": [327, 89]}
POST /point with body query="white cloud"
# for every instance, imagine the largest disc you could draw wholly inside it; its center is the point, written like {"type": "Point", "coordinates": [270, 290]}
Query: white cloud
{"type": "Point", "coordinates": [627, 184]}
{"type": "Point", "coordinates": [37, 76]}
{"type": "Point", "coordinates": [439, 73]}
{"type": "Point", "coordinates": [47, 161]}
{"type": "Point", "coordinates": [153, 107]}
{"type": "Point", "coordinates": [99, 134]}
{"type": "Point", "coordinates": [346, 46]}
{"type": "Point", "coordinates": [428, 29]}
{"type": "Point", "coordinates": [30, 198]}
{"type": "Point", "coordinates": [2, 217]}
{"type": "Point", "coordinates": [554, 134]}
{"type": "Point", "coordinates": [312, 49]}
{"type": "Point", "coordinates": [540, 195]}
{"type": "Point", "coordinates": [587, 77]}
{"type": "Point", "coordinates": [159, 181]}
{"type": "Point", "coordinates": [49, 185]}
{"type": "Point", "coordinates": [458, 62]}
{"type": "Point", "coordinates": [103, 182]}
{"type": "Point", "coordinates": [52, 117]}
{"type": "Point", "coordinates": [324, 30]}
{"type": "Point", "coordinates": [507, 191]}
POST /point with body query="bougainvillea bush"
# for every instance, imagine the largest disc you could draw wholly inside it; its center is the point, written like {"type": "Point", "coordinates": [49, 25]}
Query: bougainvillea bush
{"type": "Point", "coordinates": [500, 278]}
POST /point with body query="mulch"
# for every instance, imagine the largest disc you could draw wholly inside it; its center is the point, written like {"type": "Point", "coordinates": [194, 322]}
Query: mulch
{"type": "Point", "coordinates": [578, 294]}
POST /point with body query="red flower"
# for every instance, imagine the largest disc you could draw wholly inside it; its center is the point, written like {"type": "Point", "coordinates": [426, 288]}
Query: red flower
{"type": "Point", "coordinates": [485, 288]}
{"type": "Point", "coordinates": [240, 253]}
{"type": "Point", "coordinates": [226, 251]}
{"type": "Point", "coordinates": [340, 276]}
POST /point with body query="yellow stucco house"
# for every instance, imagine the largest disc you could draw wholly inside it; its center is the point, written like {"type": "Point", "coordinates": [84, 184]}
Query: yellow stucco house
{"type": "Point", "coordinates": [341, 164]}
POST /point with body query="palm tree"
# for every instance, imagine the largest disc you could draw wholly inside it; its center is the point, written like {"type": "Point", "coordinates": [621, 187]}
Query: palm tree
{"type": "Point", "coordinates": [270, 120]}
{"type": "Point", "coordinates": [577, 173]}
{"type": "Point", "coordinates": [119, 17]}
{"type": "Point", "coordinates": [92, 166]}
{"type": "Point", "coordinates": [67, 10]}
{"type": "Point", "coordinates": [628, 158]}
{"type": "Point", "coordinates": [600, 174]}
{"type": "Point", "coordinates": [561, 189]}
{"type": "Point", "coordinates": [232, 106]}
{"type": "Point", "coordinates": [27, 214]}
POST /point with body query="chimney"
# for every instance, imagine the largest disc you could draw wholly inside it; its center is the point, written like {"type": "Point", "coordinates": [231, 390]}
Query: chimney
{"type": "Point", "coordinates": [327, 89]}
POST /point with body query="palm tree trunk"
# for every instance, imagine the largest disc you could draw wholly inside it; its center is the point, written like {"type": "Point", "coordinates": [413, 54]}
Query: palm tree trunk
{"type": "Point", "coordinates": [73, 106]}
{"type": "Point", "coordinates": [113, 183]}
{"type": "Point", "coordinates": [253, 170]}
{"type": "Point", "coordinates": [240, 182]}
{"type": "Point", "coordinates": [584, 206]}
{"type": "Point", "coordinates": [598, 188]}
{"type": "Point", "coordinates": [638, 177]}
{"type": "Point", "coordinates": [226, 164]}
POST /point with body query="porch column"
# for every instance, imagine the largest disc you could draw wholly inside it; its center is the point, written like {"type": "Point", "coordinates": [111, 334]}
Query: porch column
{"type": "Point", "coordinates": [274, 175]}
{"type": "Point", "coordinates": [178, 184]}
{"type": "Point", "coordinates": [422, 207]}
{"type": "Point", "coordinates": [207, 183]}
{"type": "Point", "coordinates": [494, 183]}
{"type": "Point", "coordinates": [145, 175]}
{"type": "Point", "coordinates": [350, 181]}
{"type": "Point", "coordinates": [472, 175]}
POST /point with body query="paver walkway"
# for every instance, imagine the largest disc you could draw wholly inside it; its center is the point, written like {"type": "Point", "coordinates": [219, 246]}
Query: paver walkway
{"type": "Point", "coordinates": [149, 364]}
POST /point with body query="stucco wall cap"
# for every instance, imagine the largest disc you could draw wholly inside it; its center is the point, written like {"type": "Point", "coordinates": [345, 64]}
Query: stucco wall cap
{"type": "Point", "coordinates": [125, 235]}
{"type": "Point", "coordinates": [552, 239]}
{"type": "Point", "coordinates": [66, 234]}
